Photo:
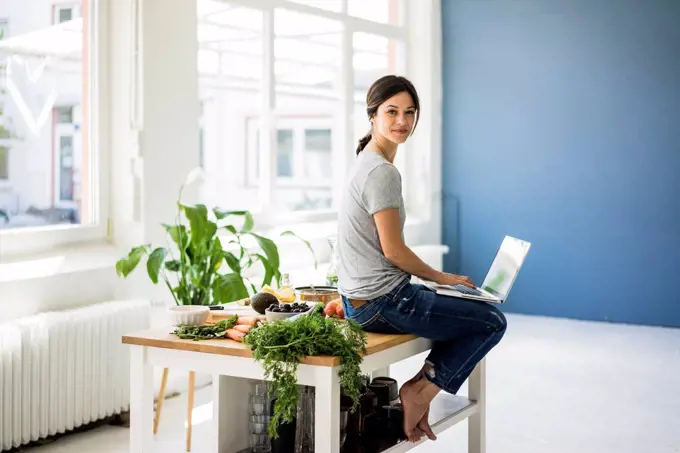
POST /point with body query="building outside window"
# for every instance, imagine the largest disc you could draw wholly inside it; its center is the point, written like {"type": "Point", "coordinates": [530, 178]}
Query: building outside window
{"type": "Point", "coordinates": [46, 82]}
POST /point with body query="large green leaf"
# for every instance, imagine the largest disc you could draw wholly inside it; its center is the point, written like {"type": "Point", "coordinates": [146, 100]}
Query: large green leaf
{"type": "Point", "coordinates": [221, 214]}
{"type": "Point", "coordinates": [178, 233]}
{"type": "Point", "coordinates": [269, 272]}
{"type": "Point", "coordinates": [216, 255]}
{"type": "Point", "coordinates": [228, 288]}
{"type": "Point", "coordinates": [202, 230]}
{"type": "Point", "coordinates": [173, 265]}
{"type": "Point", "coordinates": [248, 221]}
{"type": "Point", "coordinates": [232, 261]}
{"type": "Point", "coordinates": [309, 246]}
{"type": "Point", "coordinates": [269, 248]}
{"type": "Point", "coordinates": [128, 264]}
{"type": "Point", "coordinates": [154, 263]}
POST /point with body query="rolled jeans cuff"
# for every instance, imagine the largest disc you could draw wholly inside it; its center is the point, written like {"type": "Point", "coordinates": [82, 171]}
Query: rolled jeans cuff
{"type": "Point", "coordinates": [442, 379]}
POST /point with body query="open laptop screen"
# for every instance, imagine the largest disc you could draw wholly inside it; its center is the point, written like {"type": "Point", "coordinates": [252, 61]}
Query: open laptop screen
{"type": "Point", "coordinates": [505, 266]}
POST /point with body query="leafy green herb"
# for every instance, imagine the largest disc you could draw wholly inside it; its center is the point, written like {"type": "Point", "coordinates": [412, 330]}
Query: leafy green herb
{"type": "Point", "coordinates": [279, 347]}
{"type": "Point", "coordinates": [206, 332]}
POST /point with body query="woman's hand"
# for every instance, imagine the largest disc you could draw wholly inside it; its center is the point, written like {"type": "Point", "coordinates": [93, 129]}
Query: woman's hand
{"type": "Point", "coordinates": [453, 279]}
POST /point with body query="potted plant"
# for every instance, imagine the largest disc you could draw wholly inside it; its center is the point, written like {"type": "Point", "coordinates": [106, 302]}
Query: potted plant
{"type": "Point", "coordinates": [207, 260]}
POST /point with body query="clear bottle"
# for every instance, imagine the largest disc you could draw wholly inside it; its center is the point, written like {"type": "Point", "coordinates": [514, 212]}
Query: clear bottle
{"type": "Point", "coordinates": [332, 271]}
{"type": "Point", "coordinates": [286, 292]}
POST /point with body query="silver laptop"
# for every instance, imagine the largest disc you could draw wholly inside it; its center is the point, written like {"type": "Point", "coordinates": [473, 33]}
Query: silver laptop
{"type": "Point", "coordinates": [499, 279]}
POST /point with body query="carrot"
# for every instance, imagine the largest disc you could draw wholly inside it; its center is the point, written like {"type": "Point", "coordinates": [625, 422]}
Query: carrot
{"type": "Point", "coordinates": [247, 320]}
{"type": "Point", "coordinates": [243, 328]}
{"type": "Point", "coordinates": [235, 335]}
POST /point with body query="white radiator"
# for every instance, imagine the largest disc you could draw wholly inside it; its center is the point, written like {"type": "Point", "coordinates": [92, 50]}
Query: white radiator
{"type": "Point", "coordinates": [60, 370]}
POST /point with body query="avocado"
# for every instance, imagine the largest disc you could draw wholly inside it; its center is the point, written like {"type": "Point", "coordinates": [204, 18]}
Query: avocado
{"type": "Point", "coordinates": [261, 301]}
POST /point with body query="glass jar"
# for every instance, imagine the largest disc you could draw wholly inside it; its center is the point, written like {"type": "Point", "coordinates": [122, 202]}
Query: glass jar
{"type": "Point", "coordinates": [286, 292]}
{"type": "Point", "coordinates": [332, 271]}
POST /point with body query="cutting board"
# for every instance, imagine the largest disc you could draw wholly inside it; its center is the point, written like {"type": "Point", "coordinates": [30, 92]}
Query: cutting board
{"type": "Point", "coordinates": [230, 310]}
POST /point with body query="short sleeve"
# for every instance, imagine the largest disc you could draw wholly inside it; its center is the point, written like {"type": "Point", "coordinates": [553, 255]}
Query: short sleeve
{"type": "Point", "coordinates": [382, 189]}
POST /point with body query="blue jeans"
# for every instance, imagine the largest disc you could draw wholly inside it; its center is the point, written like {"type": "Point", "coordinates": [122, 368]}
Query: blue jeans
{"type": "Point", "coordinates": [463, 330]}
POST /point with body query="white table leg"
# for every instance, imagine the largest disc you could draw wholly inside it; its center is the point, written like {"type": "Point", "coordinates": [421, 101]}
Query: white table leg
{"type": "Point", "coordinates": [327, 411]}
{"type": "Point", "coordinates": [230, 414]}
{"type": "Point", "coordinates": [380, 372]}
{"type": "Point", "coordinates": [477, 422]}
{"type": "Point", "coordinates": [141, 401]}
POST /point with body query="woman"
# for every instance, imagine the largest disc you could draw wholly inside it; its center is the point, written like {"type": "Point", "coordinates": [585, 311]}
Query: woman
{"type": "Point", "coordinates": [376, 266]}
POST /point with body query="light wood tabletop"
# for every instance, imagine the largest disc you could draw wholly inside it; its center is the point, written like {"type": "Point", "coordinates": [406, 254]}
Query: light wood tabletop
{"type": "Point", "coordinates": [162, 338]}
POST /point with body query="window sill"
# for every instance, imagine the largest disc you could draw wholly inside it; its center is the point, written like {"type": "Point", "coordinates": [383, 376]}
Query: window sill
{"type": "Point", "coordinates": [62, 278]}
{"type": "Point", "coordinates": [102, 255]}
{"type": "Point", "coordinates": [63, 260]}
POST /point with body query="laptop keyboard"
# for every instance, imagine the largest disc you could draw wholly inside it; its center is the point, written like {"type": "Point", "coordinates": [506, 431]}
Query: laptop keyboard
{"type": "Point", "coordinates": [467, 290]}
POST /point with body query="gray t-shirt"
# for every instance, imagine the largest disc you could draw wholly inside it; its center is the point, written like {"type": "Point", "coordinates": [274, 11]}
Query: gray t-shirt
{"type": "Point", "coordinates": [364, 272]}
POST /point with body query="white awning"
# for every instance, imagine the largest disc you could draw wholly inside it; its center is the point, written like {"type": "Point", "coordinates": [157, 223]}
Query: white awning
{"type": "Point", "coordinates": [61, 41]}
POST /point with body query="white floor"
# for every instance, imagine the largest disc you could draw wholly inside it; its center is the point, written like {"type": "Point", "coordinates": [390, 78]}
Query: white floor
{"type": "Point", "coordinates": [554, 386]}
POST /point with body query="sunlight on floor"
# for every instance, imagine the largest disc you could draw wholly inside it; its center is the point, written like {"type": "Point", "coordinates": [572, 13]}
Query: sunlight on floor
{"type": "Point", "coordinates": [201, 414]}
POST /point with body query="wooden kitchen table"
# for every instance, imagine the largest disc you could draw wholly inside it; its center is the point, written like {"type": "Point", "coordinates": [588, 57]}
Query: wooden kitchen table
{"type": "Point", "coordinates": [234, 370]}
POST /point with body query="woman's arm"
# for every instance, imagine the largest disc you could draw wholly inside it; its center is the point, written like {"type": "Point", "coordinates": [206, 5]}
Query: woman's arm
{"type": "Point", "coordinates": [389, 231]}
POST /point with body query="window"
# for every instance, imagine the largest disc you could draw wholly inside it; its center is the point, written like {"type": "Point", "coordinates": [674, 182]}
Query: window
{"type": "Point", "coordinates": [46, 124]}
{"type": "Point", "coordinates": [5, 129]}
{"type": "Point", "coordinates": [64, 115]}
{"type": "Point", "coordinates": [4, 28]}
{"type": "Point", "coordinates": [66, 181]}
{"type": "Point", "coordinates": [294, 75]}
{"type": "Point", "coordinates": [304, 162]}
{"type": "Point", "coordinates": [318, 156]}
{"type": "Point", "coordinates": [4, 163]}
{"type": "Point", "coordinates": [65, 12]}
{"type": "Point", "coordinates": [284, 153]}
{"type": "Point", "coordinates": [230, 40]}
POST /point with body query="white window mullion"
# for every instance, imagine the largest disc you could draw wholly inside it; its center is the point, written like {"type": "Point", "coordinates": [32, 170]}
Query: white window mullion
{"type": "Point", "coordinates": [424, 69]}
{"type": "Point", "coordinates": [343, 151]}
{"type": "Point", "coordinates": [267, 174]}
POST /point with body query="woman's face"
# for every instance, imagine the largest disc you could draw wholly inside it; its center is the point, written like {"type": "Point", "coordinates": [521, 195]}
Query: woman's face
{"type": "Point", "coordinates": [395, 117]}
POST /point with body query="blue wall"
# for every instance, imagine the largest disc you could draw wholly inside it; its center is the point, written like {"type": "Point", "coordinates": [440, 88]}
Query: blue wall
{"type": "Point", "coordinates": [562, 127]}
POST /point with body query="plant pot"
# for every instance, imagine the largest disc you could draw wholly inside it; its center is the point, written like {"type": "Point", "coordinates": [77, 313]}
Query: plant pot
{"type": "Point", "coordinates": [189, 315]}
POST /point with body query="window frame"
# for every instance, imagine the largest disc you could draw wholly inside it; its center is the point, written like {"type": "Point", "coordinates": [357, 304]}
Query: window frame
{"type": "Point", "coordinates": [343, 141]}
{"type": "Point", "coordinates": [30, 240]}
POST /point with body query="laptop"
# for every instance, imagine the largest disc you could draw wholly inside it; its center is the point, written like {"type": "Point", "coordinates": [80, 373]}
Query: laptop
{"type": "Point", "coordinates": [499, 279]}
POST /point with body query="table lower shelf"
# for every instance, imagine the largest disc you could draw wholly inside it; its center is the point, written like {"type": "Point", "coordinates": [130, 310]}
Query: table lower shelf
{"type": "Point", "coordinates": [445, 411]}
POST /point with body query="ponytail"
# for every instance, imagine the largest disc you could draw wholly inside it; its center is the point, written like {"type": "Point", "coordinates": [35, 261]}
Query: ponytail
{"type": "Point", "coordinates": [363, 142]}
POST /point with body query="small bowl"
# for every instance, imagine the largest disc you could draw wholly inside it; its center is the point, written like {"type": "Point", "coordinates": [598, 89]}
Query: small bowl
{"type": "Point", "coordinates": [189, 315]}
{"type": "Point", "coordinates": [275, 316]}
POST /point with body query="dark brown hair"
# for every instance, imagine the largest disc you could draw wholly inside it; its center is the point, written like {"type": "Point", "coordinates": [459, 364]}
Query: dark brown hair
{"type": "Point", "coordinates": [383, 89]}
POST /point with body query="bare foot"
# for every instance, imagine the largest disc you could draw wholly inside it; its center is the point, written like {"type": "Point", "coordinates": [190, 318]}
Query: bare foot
{"type": "Point", "coordinates": [414, 409]}
{"type": "Point", "coordinates": [424, 426]}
